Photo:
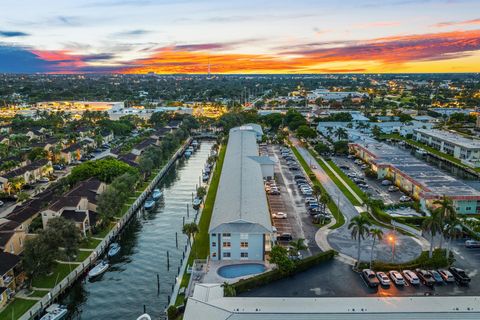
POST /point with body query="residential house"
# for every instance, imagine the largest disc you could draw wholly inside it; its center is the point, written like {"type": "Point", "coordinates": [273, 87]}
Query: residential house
{"type": "Point", "coordinates": [11, 277]}
{"type": "Point", "coordinates": [107, 136]}
{"type": "Point", "coordinates": [12, 236]}
{"type": "Point", "coordinates": [173, 124]}
{"type": "Point", "coordinates": [30, 173]}
{"type": "Point", "coordinates": [72, 153]}
{"type": "Point", "coordinates": [139, 148]}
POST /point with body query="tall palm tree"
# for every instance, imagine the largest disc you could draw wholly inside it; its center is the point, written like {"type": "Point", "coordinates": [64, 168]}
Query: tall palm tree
{"type": "Point", "coordinates": [317, 191]}
{"type": "Point", "coordinates": [297, 246]}
{"type": "Point", "coordinates": [376, 234]}
{"type": "Point", "coordinates": [341, 134]}
{"type": "Point", "coordinates": [360, 228]}
{"type": "Point", "coordinates": [446, 210]}
{"type": "Point", "coordinates": [324, 200]}
{"type": "Point", "coordinates": [452, 230]}
{"type": "Point", "coordinates": [228, 290]}
{"type": "Point", "coordinates": [432, 225]}
{"type": "Point", "coordinates": [190, 229]}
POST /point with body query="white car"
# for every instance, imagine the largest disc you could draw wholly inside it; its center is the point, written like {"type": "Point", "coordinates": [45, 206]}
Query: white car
{"type": "Point", "coordinates": [472, 244]}
{"type": "Point", "coordinates": [386, 183]}
{"type": "Point", "coordinates": [1, 203]}
{"type": "Point", "coordinates": [405, 199]}
{"type": "Point", "coordinates": [279, 215]}
{"type": "Point", "coordinates": [392, 189]}
{"type": "Point", "coordinates": [383, 278]}
{"type": "Point", "coordinates": [397, 278]}
{"type": "Point", "coordinates": [411, 277]}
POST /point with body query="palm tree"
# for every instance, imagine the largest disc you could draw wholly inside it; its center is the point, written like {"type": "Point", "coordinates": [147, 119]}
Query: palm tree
{"type": "Point", "coordinates": [359, 226]}
{"type": "Point", "coordinates": [190, 229]}
{"type": "Point", "coordinates": [341, 134]}
{"type": "Point", "coordinates": [317, 191]}
{"type": "Point", "coordinates": [432, 225]}
{"type": "Point", "coordinates": [228, 290]}
{"type": "Point", "coordinates": [324, 200]}
{"type": "Point", "coordinates": [452, 230]}
{"type": "Point", "coordinates": [296, 246]}
{"type": "Point", "coordinates": [446, 210]}
{"type": "Point", "coordinates": [376, 234]}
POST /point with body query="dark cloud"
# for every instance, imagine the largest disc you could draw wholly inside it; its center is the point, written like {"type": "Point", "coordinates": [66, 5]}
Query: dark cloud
{"type": "Point", "coordinates": [20, 60]}
{"type": "Point", "coordinates": [136, 32]}
{"type": "Point", "coordinates": [12, 34]}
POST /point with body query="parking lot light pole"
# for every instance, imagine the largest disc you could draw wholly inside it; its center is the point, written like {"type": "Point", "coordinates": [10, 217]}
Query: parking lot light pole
{"type": "Point", "coordinates": [391, 238]}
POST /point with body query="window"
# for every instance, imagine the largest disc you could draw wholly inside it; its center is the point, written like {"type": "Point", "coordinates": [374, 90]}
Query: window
{"type": "Point", "coordinates": [227, 244]}
{"type": "Point", "coordinates": [468, 208]}
{"type": "Point", "coordinates": [243, 244]}
{"type": "Point", "coordinates": [214, 244]}
{"type": "Point", "coordinates": [226, 235]}
{"type": "Point", "coordinates": [214, 255]}
{"type": "Point", "coordinates": [21, 242]}
{"type": "Point", "coordinates": [243, 236]}
{"type": "Point", "coordinates": [214, 234]}
{"type": "Point", "coordinates": [244, 255]}
{"type": "Point", "coordinates": [226, 255]}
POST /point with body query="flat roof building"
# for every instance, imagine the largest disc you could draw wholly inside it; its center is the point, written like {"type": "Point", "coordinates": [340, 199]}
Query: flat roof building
{"type": "Point", "coordinates": [423, 181]}
{"type": "Point", "coordinates": [465, 149]}
{"type": "Point", "coordinates": [241, 228]}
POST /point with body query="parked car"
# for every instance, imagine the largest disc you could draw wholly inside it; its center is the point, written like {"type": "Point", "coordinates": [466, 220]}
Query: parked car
{"type": "Point", "coordinates": [344, 167]}
{"type": "Point", "coordinates": [396, 277]}
{"type": "Point", "coordinates": [364, 166]}
{"type": "Point", "coordinates": [285, 237]}
{"type": "Point", "coordinates": [351, 174]}
{"type": "Point", "coordinates": [411, 277]}
{"type": "Point", "coordinates": [386, 183]}
{"type": "Point", "coordinates": [383, 278]}
{"type": "Point", "coordinates": [405, 199]}
{"type": "Point", "coordinates": [436, 276]}
{"type": "Point", "coordinates": [370, 278]}
{"type": "Point", "coordinates": [425, 277]}
{"type": "Point", "coordinates": [472, 244]}
{"type": "Point", "coordinates": [274, 192]}
{"type": "Point", "coordinates": [1, 203]}
{"type": "Point", "coordinates": [460, 275]}
{"type": "Point", "coordinates": [43, 180]}
{"type": "Point", "coordinates": [392, 189]}
{"type": "Point", "coordinates": [279, 215]}
{"type": "Point", "coordinates": [447, 276]}
{"type": "Point", "coordinates": [307, 192]}
{"type": "Point", "coordinates": [309, 199]}
{"type": "Point", "coordinates": [298, 176]}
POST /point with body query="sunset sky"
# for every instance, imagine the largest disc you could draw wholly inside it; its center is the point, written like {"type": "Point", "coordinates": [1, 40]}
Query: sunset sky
{"type": "Point", "coordinates": [262, 36]}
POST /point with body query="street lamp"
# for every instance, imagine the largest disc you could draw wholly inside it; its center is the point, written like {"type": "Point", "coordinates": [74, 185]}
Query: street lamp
{"type": "Point", "coordinates": [391, 239]}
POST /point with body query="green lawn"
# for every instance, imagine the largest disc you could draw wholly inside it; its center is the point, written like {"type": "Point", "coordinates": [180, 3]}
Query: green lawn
{"type": "Point", "coordinates": [103, 233]}
{"type": "Point", "coordinates": [347, 180]}
{"type": "Point", "coordinates": [16, 308]}
{"type": "Point", "coordinates": [38, 293]}
{"type": "Point", "coordinates": [201, 244]}
{"type": "Point", "coordinates": [60, 272]}
{"type": "Point", "coordinates": [82, 255]}
{"type": "Point", "coordinates": [334, 178]}
{"type": "Point", "coordinates": [340, 219]}
{"type": "Point", "coordinates": [90, 243]}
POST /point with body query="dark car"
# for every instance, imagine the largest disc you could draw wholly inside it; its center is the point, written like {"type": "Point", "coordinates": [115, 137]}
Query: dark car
{"type": "Point", "coordinates": [298, 176]}
{"type": "Point", "coordinates": [436, 276]}
{"type": "Point", "coordinates": [425, 277]}
{"type": "Point", "coordinates": [285, 237]}
{"type": "Point", "coordinates": [370, 278]}
{"type": "Point", "coordinates": [460, 275]}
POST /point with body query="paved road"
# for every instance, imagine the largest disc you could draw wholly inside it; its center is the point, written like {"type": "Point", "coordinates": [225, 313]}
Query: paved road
{"type": "Point", "coordinates": [406, 247]}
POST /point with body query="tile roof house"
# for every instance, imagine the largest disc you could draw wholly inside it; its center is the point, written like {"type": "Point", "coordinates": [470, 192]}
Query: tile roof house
{"type": "Point", "coordinates": [142, 146]}
{"type": "Point", "coordinates": [10, 276]}
{"type": "Point", "coordinates": [30, 173]}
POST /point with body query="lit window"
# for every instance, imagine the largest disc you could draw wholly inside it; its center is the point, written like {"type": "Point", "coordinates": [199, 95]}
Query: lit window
{"type": "Point", "coordinates": [243, 244]}
{"type": "Point", "coordinates": [214, 255]}
{"type": "Point", "coordinates": [227, 244]}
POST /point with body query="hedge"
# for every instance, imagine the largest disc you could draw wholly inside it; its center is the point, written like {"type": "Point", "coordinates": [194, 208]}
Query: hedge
{"type": "Point", "coordinates": [274, 275]}
{"type": "Point", "coordinates": [438, 260]}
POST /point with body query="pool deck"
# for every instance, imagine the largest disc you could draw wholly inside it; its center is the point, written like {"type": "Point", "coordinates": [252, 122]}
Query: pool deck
{"type": "Point", "coordinates": [212, 275]}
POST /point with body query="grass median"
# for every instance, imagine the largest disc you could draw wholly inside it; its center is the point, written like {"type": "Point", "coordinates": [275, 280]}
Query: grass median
{"type": "Point", "coordinates": [339, 218]}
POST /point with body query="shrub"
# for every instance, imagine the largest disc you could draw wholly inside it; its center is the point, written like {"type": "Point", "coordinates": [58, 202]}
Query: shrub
{"type": "Point", "coordinates": [172, 312]}
{"type": "Point", "coordinates": [274, 275]}
{"type": "Point", "coordinates": [438, 260]}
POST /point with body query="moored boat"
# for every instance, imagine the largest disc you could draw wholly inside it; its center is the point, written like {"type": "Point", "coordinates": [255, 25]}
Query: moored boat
{"type": "Point", "coordinates": [156, 194]}
{"type": "Point", "coordinates": [188, 154]}
{"type": "Point", "coordinates": [98, 269]}
{"type": "Point", "coordinates": [113, 249]}
{"type": "Point", "coordinates": [144, 316]}
{"type": "Point", "coordinates": [55, 312]}
{"type": "Point", "coordinates": [149, 204]}
{"type": "Point", "coordinates": [196, 203]}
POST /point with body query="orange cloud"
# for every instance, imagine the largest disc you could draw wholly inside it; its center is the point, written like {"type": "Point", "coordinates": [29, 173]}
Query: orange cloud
{"type": "Point", "coordinates": [457, 23]}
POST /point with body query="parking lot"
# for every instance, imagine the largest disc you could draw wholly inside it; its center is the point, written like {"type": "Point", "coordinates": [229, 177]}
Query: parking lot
{"type": "Point", "coordinates": [290, 201]}
{"type": "Point", "coordinates": [336, 279]}
{"type": "Point", "coordinates": [375, 187]}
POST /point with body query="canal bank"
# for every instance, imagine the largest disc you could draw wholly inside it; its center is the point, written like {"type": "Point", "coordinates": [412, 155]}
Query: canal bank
{"type": "Point", "coordinates": [77, 270]}
{"type": "Point", "coordinates": [153, 248]}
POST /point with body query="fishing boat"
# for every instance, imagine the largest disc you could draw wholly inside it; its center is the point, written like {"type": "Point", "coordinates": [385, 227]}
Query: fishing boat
{"type": "Point", "coordinates": [149, 204]}
{"type": "Point", "coordinates": [55, 312]}
{"type": "Point", "coordinates": [144, 316]}
{"type": "Point", "coordinates": [196, 203]}
{"type": "Point", "coordinates": [113, 249]}
{"type": "Point", "coordinates": [156, 194]}
{"type": "Point", "coordinates": [98, 269]}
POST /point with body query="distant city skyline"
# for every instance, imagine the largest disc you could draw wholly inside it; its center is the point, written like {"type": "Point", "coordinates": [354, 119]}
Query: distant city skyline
{"type": "Point", "coordinates": [186, 36]}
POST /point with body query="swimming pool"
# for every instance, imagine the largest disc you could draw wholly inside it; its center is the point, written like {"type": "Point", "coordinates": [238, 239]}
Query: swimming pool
{"type": "Point", "coordinates": [240, 270]}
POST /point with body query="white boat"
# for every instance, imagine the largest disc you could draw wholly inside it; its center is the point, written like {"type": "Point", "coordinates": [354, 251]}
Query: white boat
{"type": "Point", "coordinates": [149, 204]}
{"type": "Point", "coordinates": [195, 144]}
{"type": "Point", "coordinates": [156, 194]}
{"type": "Point", "coordinates": [98, 269]}
{"type": "Point", "coordinates": [55, 312]}
{"type": "Point", "coordinates": [196, 203]}
{"type": "Point", "coordinates": [113, 249]}
{"type": "Point", "coordinates": [188, 154]}
{"type": "Point", "coordinates": [144, 316]}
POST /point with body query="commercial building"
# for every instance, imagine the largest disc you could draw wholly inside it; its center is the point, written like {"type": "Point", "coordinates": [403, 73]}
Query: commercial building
{"type": "Point", "coordinates": [424, 182]}
{"type": "Point", "coordinates": [241, 228]}
{"type": "Point", "coordinates": [208, 303]}
{"type": "Point", "coordinates": [465, 149]}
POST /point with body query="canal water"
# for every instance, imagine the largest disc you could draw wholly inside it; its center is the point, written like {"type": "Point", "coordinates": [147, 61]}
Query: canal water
{"type": "Point", "coordinates": [131, 281]}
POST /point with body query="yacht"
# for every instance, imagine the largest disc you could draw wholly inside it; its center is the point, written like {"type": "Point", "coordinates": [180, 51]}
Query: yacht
{"type": "Point", "coordinates": [196, 203]}
{"type": "Point", "coordinates": [156, 194]}
{"type": "Point", "coordinates": [149, 204]}
{"type": "Point", "coordinates": [98, 269]}
{"type": "Point", "coordinates": [55, 312]}
{"type": "Point", "coordinates": [113, 249]}
{"type": "Point", "coordinates": [144, 316]}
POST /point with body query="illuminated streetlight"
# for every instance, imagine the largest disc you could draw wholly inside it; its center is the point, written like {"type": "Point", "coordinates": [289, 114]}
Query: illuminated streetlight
{"type": "Point", "coordinates": [391, 239]}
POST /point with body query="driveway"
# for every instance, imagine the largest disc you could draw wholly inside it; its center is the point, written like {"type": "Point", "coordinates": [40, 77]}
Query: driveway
{"type": "Point", "coordinates": [406, 247]}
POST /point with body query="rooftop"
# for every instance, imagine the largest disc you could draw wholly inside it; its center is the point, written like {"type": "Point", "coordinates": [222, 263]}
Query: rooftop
{"type": "Point", "coordinates": [453, 138]}
{"type": "Point", "coordinates": [7, 262]}
{"type": "Point", "coordinates": [241, 203]}
{"type": "Point", "coordinates": [434, 182]}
